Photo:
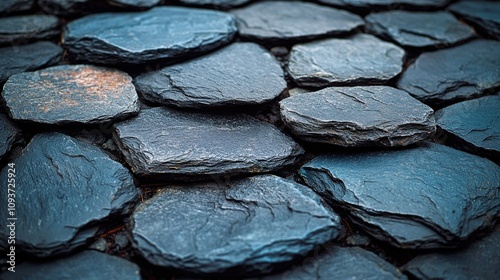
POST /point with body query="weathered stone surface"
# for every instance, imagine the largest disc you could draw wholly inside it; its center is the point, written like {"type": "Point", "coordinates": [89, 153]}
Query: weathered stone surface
{"type": "Point", "coordinates": [278, 21]}
{"type": "Point", "coordinates": [65, 191]}
{"type": "Point", "coordinates": [483, 14]}
{"type": "Point", "coordinates": [249, 226]}
{"type": "Point", "coordinates": [10, 6]}
{"type": "Point", "coordinates": [160, 33]}
{"type": "Point", "coordinates": [419, 29]}
{"type": "Point", "coordinates": [358, 59]}
{"type": "Point", "coordinates": [22, 29]}
{"type": "Point", "coordinates": [370, 4]}
{"type": "Point", "coordinates": [70, 94]}
{"type": "Point", "coordinates": [79, 7]}
{"type": "Point", "coordinates": [430, 196]}
{"type": "Point", "coordinates": [9, 135]}
{"type": "Point", "coordinates": [222, 4]}
{"type": "Point", "coordinates": [240, 74]}
{"type": "Point", "coordinates": [163, 141]}
{"type": "Point", "coordinates": [450, 74]}
{"type": "Point", "coordinates": [358, 116]}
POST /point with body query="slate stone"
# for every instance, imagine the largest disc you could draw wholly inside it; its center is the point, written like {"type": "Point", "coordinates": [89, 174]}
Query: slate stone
{"type": "Point", "coordinates": [240, 74]}
{"type": "Point", "coordinates": [483, 14]}
{"type": "Point", "coordinates": [221, 4]}
{"type": "Point", "coordinates": [66, 191]}
{"type": "Point", "coordinates": [22, 29]}
{"type": "Point", "coordinates": [379, 4]}
{"type": "Point", "coordinates": [70, 94]}
{"type": "Point", "coordinates": [250, 226]}
{"type": "Point", "coordinates": [81, 7]}
{"type": "Point", "coordinates": [10, 134]}
{"type": "Point", "coordinates": [140, 37]}
{"type": "Point", "coordinates": [279, 21]}
{"type": "Point", "coordinates": [358, 116]}
{"type": "Point", "coordinates": [87, 265]}
{"type": "Point", "coordinates": [419, 29]}
{"type": "Point", "coordinates": [169, 143]}
{"type": "Point", "coordinates": [451, 74]}
{"type": "Point", "coordinates": [431, 196]}
{"type": "Point", "coordinates": [12, 6]}
{"type": "Point", "coordinates": [359, 59]}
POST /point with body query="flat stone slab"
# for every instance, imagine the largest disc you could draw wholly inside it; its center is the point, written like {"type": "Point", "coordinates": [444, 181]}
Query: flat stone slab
{"type": "Point", "coordinates": [371, 4]}
{"type": "Point", "coordinates": [221, 4]}
{"type": "Point", "coordinates": [403, 196]}
{"type": "Point", "coordinates": [279, 21]}
{"type": "Point", "coordinates": [66, 190]}
{"type": "Point", "coordinates": [10, 134]}
{"type": "Point", "coordinates": [359, 59]}
{"type": "Point", "coordinates": [10, 6]}
{"type": "Point", "coordinates": [171, 143]}
{"type": "Point", "coordinates": [140, 37]}
{"type": "Point", "coordinates": [22, 29]}
{"type": "Point", "coordinates": [249, 226]}
{"type": "Point", "coordinates": [240, 74]}
{"type": "Point", "coordinates": [483, 14]}
{"type": "Point", "coordinates": [358, 116]}
{"type": "Point", "coordinates": [419, 29]}
{"type": "Point", "coordinates": [434, 76]}
{"type": "Point", "coordinates": [79, 7]}
{"type": "Point", "coordinates": [71, 94]}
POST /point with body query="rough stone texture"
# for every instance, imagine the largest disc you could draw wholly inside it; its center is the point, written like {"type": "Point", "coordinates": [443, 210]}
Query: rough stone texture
{"type": "Point", "coordinates": [163, 141]}
{"type": "Point", "coordinates": [358, 116]}
{"type": "Point", "coordinates": [221, 4]}
{"type": "Point", "coordinates": [249, 226]}
{"type": "Point", "coordinates": [22, 29]}
{"type": "Point", "coordinates": [358, 59]}
{"type": "Point", "coordinates": [70, 94]}
{"type": "Point", "coordinates": [370, 4]}
{"type": "Point", "coordinates": [483, 14]}
{"type": "Point", "coordinates": [9, 135]}
{"type": "Point", "coordinates": [66, 189]}
{"type": "Point", "coordinates": [11, 6]}
{"type": "Point", "coordinates": [79, 7]}
{"type": "Point", "coordinates": [430, 196]}
{"type": "Point", "coordinates": [450, 74]}
{"type": "Point", "coordinates": [278, 21]}
{"type": "Point", "coordinates": [419, 29]}
{"type": "Point", "coordinates": [242, 73]}
{"type": "Point", "coordinates": [160, 33]}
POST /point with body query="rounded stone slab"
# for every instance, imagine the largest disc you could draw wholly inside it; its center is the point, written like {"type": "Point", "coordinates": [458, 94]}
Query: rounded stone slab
{"type": "Point", "coordinates": [250, 226]}
{"type": "Point", "coordinates": [21, 29]}
{"type": "Point", "coordinates": [70, 94]}
{"type": "Point", "coordinates": [430, 196]}
{"type": "Point", "coordinates": [419, 29]}
{"type": "Point", "coordinates": [483, 14]}
{"type": "Point", "coordinates": [452, 74]}
{"type": "Point", "coordinates": [169, 143]}
{"type": "Point", "coordinates": [279, 21]}
{"type": "Point", "coordinates": [359, 59]}
{"type": "Point", "coordinates": [358, 116]}
{"type": "Point", "coordinates": [9, 135]}
{"type": "Point", "coordinates": [160, 33]}
{"type": "Point", "coordinates": [65, 191]}
{"type": "Point", "coordinates": [11, 6]}
{"type": "Point", "coordinates": [222, 4]}
{"type": "Point", "coordinates": [371, 4]}
{"type": "Point", "coordinates": [79, 7]}
{"type": "Point", "coordinates": [240, 74]}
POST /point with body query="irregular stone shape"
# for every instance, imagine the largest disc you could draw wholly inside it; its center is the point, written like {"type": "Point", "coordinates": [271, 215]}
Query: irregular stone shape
{"type": "Point", "coordinates": [66, 190]}
{"type": "Point", "coordinates": [359, 59]}
{"type": "Point", "coordinates": [419, 29]}
{"type": "Point", "coordinates": [430, 196]}
{"type": "Point", "coordinates": [163, 141]}
{"type": "Point", "coordinates": [160, 33]}
{"type": "Point", "coordinates": [22, 29]}
{"type": "Point", "coordinates": [358, 116]}
{"type": "Point", "coordinates": [483, 14]}
{"type": "Point", "coordinates": [11, 6]}
{"type": "Point", "coordinates": [371, 4]}
{"type": "Point", "coordinates": [240, 74]}
{"type": "Point", "coordinates": [450, 74]}
{"type": "Point", "coordinates": [18, 59]}
{"type": "Point", "coordinates": [278, 21]}
{"type": "Point", "coordinates": [9, 135]}
{"type": "Point", "coordinates": [250, 226]}
{"type": "Point", "coordinates": [79, 7]}
{"type": "Point", "coordinates": [222, 4]}
{"type": "Point", "coordinates": [70, 94]}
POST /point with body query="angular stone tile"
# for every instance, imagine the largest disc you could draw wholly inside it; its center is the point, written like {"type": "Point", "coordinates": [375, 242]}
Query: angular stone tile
{"type": "Point", "coordinates": [483, 14]}
{"type": "Point", "coordinates": [370, 4]}
{"type": "Point", "coordinates": [10, 6]}
{"type": "Point", "coordinates": [9, 135]}
{"type": "Point", "coordinates": [430, 196]}
{"type": "Point", "coordinates": [221, 4]}
{"type": "Point", "coordinates": [22, 29]}
{"type": "Point", "coordinates": [358, 116]}
{"type": "Point", "coordinates": [79, 7]}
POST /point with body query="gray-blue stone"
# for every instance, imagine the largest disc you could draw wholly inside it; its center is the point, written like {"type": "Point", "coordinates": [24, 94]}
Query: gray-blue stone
{"type": "Point", "coordinates": [79, 7]}
{"type": "Point", "coordinates": [483, 14]}
{"type": "Point", "coordinates": [9, 135]}
{"type": "Point", "coordinates": [23, 29]}
{"type": "Point", "coordinates": [384, 4]}
{"type": "Point", "coordinates": [11, 6]}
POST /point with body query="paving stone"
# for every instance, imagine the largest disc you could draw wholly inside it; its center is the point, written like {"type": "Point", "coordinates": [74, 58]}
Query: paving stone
{"type": "Point", "coordinates": [10, 134]}
{"type": "Point", "coordinates": [221, 4]}
{"type": "Point", "coordinates": [483, 14]}
{"type": "Point", "coordinates": [81, 7]}
{"type": "Point", "coordinates": [22, 29]}
{"type": "Point", "coordinates": [11, 6]}
{"type": "Point", "coordinates": [384, 4]}
{"type": "Point", "coordinates": [431, 196]}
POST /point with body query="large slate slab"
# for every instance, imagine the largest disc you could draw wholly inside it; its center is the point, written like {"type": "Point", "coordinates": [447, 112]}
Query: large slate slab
{"type": "Point", "coordinates": [10, 134]}
{"type": "Point", "coordinates": [280, 21]}
{"type": "Point", "coordinates": [220, 4]}
{"type": "Point", "coordinates": [240, 74]}
{"type": "Point", "coordinates": [358, 59]}
{"type": "Point", "coordinates": [452, 74]}
{"type": "Point", "coordinates": [430, 196]}
{"type": "Point", "coordinates": [22, 29]}
{"type": "Point", "coordinates": [483, 14]}
{"type": "Point", "coordinates": [160, 33]}
{"type": "Point", "coordinates": [12, 6]}
{"type": "Point", "coordinates": [70, 94]}
{"type": "Point", "coordinates": [384, 4]}
{"type": "Point", "coordinates": [247, 226]}
{"type": "Point", "coordinates": [81, 7]}
{"type": "Point", "coordinates": [169, 143]}
{"type": "Point", "coordinates": [358, 116]}
{"type": "Point", "coordinates": [66, 190]}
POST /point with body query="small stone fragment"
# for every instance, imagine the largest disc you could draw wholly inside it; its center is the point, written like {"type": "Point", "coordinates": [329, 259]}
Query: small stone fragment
{"type": "Point", "coordinates": [11, 6]}
{"type": "Point", "coordinates": [221, 4]}
{"type": "Point", "coordinates": [483, 14]}
{"type": "Point", "coordinates": [22, 29]}
{"type": "Point", "coordinates": [10, 134]}
{"type": "Point", "coordinates": [81, 7]}
{"type": "Point", "coordinates": [384, 4]}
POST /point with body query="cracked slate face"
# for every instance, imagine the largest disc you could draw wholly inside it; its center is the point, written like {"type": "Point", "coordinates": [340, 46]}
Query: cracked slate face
{"type": "Point", "coordinates": [434, 76]}
{"type": "Point", "coordinates": [73, 187]}
{"type": "Point", "coordinates": [358, 116]}
{"type": "Point", "coordinates": [168, 143]}
{"type": "Point", "coordinates": [79, 7]}
{"type": "Point", "coordinates": [240, 74]}
{"type": "Point", "coordinates": [419, 29]}
{"type": "Point", "coordinates": [140, 37]}
{"type": "Point", "coordinates": [10, 134]}
{"type": "Point", "coordinates": [358, 59]}
{"type": "Point", "coordinates": [22, 29]}
{"type": "Point", "coordinates": [221, 4]}
{"type": "Point", "coordinates": [370, 4]}
{"type": "Point", "coordinates": [483, 14]}
{"type": "Point", "coordinates": [10, 6]}
{"type": "Point", "coordinates": [403, 196]}
{"type": "Point", "coordinates": [70, 94]}
{"type": "Point", "coordinates": [250, 226]}
{"type": "Point", "coordinates": [279, 21]}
